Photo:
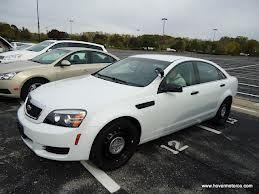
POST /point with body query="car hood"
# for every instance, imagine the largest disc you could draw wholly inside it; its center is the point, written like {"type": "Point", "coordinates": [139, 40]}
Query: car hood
{"type": "Point", "coordinates": [18, 66]}
{"type": "Point", "coordinates": [84, 92]}
{"type": "Point", "coordinates": [24, 53]}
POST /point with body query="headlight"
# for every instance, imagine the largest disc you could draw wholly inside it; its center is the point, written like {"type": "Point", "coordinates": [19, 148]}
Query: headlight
{"type": "Point", "coordinates": [66, 118]}
{"type": "Point", "coordinates": [7, 76]}
{"type": "Point", "coordinates": [12, 57]}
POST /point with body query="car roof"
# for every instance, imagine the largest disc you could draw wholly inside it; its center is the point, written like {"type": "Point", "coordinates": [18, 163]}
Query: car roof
{"type": "Point", "coordinates": [169, 58]}
{"type": "Point", "coordinates": [76, 41]}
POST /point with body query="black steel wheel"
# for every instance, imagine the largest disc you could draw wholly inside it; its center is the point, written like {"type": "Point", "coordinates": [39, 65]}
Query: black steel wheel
{"type": "Point", "coordinates": [115, 144]}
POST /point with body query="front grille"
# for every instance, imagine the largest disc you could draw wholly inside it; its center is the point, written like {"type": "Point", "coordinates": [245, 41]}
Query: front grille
{"type": "Point", "coordinates": [5, 91]}
{"type": "Point", "coordinates": [32, 110]}
{"type": "Point", "coordinates": [56, 150]}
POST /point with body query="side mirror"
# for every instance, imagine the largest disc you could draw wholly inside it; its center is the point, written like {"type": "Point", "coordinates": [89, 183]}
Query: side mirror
{"type": "Point", "coordinates": [160, 72]}
{"type": "Point", "coordinates": [163, 88]}
{"type": "Point", "coordinates": [65, 63]}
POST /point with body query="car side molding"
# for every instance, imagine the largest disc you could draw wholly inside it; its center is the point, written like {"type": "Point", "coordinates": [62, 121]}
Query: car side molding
{"type": "Point", "coordinates": [145, 104]}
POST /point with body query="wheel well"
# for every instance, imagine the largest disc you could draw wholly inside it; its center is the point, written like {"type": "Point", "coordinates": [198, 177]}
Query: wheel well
{"type": "Point", "coordinates": [229, 98]}
{"type": "Point", "coordinates": [34, 78]}
{"type": "Point", "coordinates": [134, 121]}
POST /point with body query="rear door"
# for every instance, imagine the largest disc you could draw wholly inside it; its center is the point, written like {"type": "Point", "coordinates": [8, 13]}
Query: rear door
{"type": "Point", "coordinates": [212, 85]}
{"type": "Point", "coordinates": [98, 61]}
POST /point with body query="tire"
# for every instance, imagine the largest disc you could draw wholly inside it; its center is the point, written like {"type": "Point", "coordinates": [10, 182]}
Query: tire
{"type": "Point", "coordinates": [223, 112]}
{"type": "Point", "coordinates": [30, 85]}
{"type": "Point", "coordinates": [108, 152]}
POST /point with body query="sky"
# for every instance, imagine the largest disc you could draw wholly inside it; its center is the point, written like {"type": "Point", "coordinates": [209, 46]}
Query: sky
{"type": "Point", "coordinates": [186, 18]}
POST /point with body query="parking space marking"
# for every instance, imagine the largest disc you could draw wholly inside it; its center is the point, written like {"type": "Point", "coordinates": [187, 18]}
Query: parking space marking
{"type": "Point", "coordinates": [245, 109]}
{"type": "Point", "coordinates": [247, 94]}
{"type": "Point", "coordinates": [231, 121]}
{"type": "Point", "coordinates": [242, 67]}
{"type": "Point", "coordinates": [102, 177]}
{"type": "Point", "coordinates": [209, 129]}
{"type": "Point", "coordinates": [169, 149]}
{"type": "Point", "coordinates": [252, 85]}
{"type": "Point", "coordinates": [176, 145]}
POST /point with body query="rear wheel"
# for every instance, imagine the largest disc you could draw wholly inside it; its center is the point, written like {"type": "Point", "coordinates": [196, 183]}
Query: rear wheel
{"type": "Point", "coordinates": [223, 112]}
{"type": "Point", "coordinates": [114, 145]}
{"type": "Point", "coordinates": [31, 85]}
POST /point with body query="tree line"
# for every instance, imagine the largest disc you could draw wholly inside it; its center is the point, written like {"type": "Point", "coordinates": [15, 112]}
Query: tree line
{"type": "Point", "coordinates": [224, 46]}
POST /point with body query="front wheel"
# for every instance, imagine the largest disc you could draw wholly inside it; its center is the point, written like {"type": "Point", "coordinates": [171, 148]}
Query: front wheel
{"type": "Point", "coordinates": [114, 145]}
{"type": "Point", "coordinates": [30, 86]}
{"type": "Point", "coordinates": [223, 112]}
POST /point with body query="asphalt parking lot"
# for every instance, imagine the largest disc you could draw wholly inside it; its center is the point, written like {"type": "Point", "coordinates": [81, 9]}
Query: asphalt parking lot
{"type": "Point", "coordinates": [188, 161]}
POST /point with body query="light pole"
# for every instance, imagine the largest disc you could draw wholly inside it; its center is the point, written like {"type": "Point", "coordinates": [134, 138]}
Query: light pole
{"type": "Point", "coordinates": [71, 22]}
{"type": "Point", "coordinates": [164, 20]}
{"type": "Point", "coordinates": [214, 34]}
{"type": "Point", "coordinates": [38, 19]}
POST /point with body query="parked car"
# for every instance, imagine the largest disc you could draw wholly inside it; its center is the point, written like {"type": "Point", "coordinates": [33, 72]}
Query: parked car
{"type": "Point", "coordinates": [21, 45]}
{"type": "Point", "coordinates": [5, 45]}
{"type": "Point", "coordinates": [43, 47]}
{"type": "Point", "coordinates": [17, 79]}
{"type": "Point", "coordinates": [170, 50]}
{"type": "Point", "coordinates": [104, 116]}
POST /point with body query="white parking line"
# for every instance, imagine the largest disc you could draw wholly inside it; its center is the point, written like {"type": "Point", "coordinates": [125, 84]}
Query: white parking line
{"type": "Point", "coordinates": [252, 85]}
{"type": "Point", "coordinates": [247, 78]}
{"type": "Point", "coordinates": [102, 177]}
{"type": "Point", "coordinates": [242, 67]}
{"type": "Point", "coordinates": [247, 94]}
{"type": "Point", "coordinates": [246, 109]}
{"type": "Point", "coordinates": [209, 129]}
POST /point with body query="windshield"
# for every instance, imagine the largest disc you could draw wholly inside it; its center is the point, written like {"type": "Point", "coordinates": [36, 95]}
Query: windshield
{"type": "Point", "coordinates": [40, 46]}
{"type": "Point", "coordinates": [50, 57]}
{"type": "Point", "coordinates": [23, 47]}
{"type": "Point", "coordinates": [132, 71]}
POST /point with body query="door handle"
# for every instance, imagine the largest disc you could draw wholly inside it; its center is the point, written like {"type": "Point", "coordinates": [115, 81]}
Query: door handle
{"type": "Point", "coordinates": [222, 85]}
{"type": "Point", "coordinates": [194, 93]}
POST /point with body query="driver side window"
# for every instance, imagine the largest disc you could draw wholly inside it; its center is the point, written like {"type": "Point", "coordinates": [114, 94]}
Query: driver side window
{"type": "Point", "coordinates": [182, 75]}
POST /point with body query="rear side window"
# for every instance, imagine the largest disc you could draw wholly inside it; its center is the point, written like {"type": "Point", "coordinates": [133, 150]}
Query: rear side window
{"type": "Point", "coordinates": [73, 44]}
{"type": "Point", "coordinates": [101, 58]}
{"type": "Point", "coordinates": [208, 72]}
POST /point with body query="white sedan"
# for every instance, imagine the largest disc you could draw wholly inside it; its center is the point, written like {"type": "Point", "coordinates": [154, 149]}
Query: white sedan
{"type": "Point", "coordinates": [45, 46]}
{"type": "Point", "coordinates": [104, 116]}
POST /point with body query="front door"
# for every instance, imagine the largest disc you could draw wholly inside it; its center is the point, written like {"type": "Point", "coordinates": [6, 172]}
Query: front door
{"type": "Point", "coordinates": [178, 110]}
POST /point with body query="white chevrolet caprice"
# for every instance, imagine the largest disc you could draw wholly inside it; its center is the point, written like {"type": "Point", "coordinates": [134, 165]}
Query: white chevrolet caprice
{"type": "Point", "coordinates": [104, 116]}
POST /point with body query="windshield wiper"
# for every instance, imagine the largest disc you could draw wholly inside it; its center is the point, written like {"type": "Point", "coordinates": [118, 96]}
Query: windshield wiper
{"type": "Point", "coordinates": [117, 80]}
{"type": "Point", "coordinates": [112, 78]}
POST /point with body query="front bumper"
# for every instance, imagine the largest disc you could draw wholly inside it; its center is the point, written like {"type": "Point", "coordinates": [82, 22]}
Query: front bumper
{"type": "Point", "coordinates": [43, 138]}
{"type": "Point", "coordinates": [10, 88]}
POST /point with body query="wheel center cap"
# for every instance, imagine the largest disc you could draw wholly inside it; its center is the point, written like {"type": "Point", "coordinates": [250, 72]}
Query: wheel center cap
{"type": "Point", "coordinates": [223, 111]}
{"type": "Point", "coordinates": [117, 145]}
